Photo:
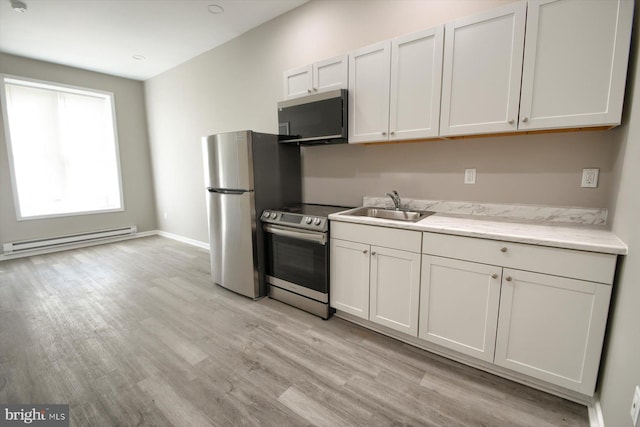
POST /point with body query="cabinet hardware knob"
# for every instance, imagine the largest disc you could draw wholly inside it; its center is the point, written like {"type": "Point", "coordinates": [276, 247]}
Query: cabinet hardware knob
{"type": "Point", "coordinates": [373, 253]}
{"type": "Point", "coordinates": [509, 278]}
{"type": "Point", "coordinates": [365, 251]}
{"type": "Point", "coordinates": [503, 249]}
{"type": "Point", "coordinates": [511, 121]}
{"type": "Point", "coordinates": [525, 119]}
{"type": "Point", "coordinates": [494, 276]}
{"type": "Point", "coordinates": [308, 90]}
{"type": "Point", "coordinates": [384, 133]}
{"type": "Point", "coordinates": [392, 133]}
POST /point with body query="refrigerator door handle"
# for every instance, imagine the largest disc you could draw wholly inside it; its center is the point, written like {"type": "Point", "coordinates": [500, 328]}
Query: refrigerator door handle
{"type": "Point", "coordinates": [227, 190]}
{"type": "Point", "coordinates": [310, 236]}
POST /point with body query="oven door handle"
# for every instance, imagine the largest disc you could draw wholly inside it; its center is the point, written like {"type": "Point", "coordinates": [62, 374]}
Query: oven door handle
{"type": "Point", "coordinates": [310, 236]}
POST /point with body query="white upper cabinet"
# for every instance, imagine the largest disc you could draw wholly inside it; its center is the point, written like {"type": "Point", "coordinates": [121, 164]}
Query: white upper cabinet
{"type": "Point", "coordinates": [298, 82]}
{"type": "Point", "coordinates": [575, 63]}
{"type": "Point", "coordinates": [481, 72]}
{"type": "Point", "coordinates": [331, 74]}
{"type": "Point", "coordinates": [416, 74]}
{"type": "Point", "coordinates": [369, 76]}
{"type": "Point", "coordinates": [394, 88]}
{"type": "Point", "coordinates": [321, 76]}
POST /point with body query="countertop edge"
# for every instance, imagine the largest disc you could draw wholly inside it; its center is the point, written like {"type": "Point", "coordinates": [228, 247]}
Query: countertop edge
{"type": "Point", "coordinates": [615, 247]}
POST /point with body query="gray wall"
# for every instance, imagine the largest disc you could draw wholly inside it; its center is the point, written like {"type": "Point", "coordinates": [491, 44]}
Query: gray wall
{"type": "Point", "coordinates": [135, 162]}
{"type": "Point", "coordinates": [237, 85]}
{"type": "Point", "coordinates": [621, 367]}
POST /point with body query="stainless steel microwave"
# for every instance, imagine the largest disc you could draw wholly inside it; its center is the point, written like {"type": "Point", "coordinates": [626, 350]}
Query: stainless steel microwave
{"type": "Point", "coordinates": [314, 119]}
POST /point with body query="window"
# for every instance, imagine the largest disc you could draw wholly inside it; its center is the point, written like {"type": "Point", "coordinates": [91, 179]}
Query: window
{"type": "Point", "coordinates": [63, 149]}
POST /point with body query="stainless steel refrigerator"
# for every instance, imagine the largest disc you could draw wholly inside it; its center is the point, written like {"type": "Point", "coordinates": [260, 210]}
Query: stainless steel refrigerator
{"type": "Point", "coordinates": [245, 173]}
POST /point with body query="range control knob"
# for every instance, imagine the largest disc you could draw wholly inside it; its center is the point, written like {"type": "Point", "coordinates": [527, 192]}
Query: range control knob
{"type": "Point", "coordinates": [274, 215]}
{"type": "Point", "coordinates": [317, 221]}
{"type": "Point", "coordinates": [265, 214]}
{"type": "Point", "coordinates": [308, 220]}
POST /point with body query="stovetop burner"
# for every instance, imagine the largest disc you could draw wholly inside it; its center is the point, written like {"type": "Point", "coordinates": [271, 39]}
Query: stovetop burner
{"type": "Point", "coordinates": [313, 209]}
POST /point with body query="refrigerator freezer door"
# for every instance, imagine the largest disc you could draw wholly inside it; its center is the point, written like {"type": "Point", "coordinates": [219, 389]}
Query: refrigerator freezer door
{"type": "Point", "coordinates": [231, 236]}
{"type": "Point", "coordinates": [228, 161]}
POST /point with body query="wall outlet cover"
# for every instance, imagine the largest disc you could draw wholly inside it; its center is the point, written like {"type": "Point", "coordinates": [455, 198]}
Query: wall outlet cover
{"type": "Point", "coordinates": [590, 177]}
{"type": "Point", "coordinates": [469, 176]}
{"type": "Point", "coordinates": [635, 406]}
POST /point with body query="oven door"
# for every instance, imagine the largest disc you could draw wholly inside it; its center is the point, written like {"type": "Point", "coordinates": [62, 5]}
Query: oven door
{"type": "Point", "coordinates": [297, 260]}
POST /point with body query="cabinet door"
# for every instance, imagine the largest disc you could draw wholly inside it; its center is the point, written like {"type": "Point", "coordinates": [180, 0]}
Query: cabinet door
{"type": "Point", "coordinates": [331, 74]}
{"type": "Point", "coordinates": [575, 63]}
{"type": "Point", "coordinates": [459, 305]}
{"type": "Point", "coordinates": [552, 328]}
{"type": "Point", "coordinates": [482, 71]}
{"type": "Point", "coordinates": [416, 80]}
{"type": "Point", "coordinates": [395, 287]}
{"type": "Point", "coordinates": [369, 74]}
{"type": "Point", "coordinates": [349, 285]}
{"type": "Point", "coordinates": [298, 82]}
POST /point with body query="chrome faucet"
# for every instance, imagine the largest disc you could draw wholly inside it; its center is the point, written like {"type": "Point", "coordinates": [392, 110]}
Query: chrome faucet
{"type": "Point", "coordinates": [396, 199]}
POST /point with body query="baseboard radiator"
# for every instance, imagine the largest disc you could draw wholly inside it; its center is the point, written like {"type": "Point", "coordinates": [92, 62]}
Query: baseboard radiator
{"type": "Point", "coordinates": [13, 248]}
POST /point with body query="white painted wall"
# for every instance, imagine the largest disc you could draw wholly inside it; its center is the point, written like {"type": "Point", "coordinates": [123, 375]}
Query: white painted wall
{"type": "Point", "coordinates": [620, 370]}
{"type": "Point", "coordinates": [237, 86]}
{"type": "Point", "coordinates": [133, 142]}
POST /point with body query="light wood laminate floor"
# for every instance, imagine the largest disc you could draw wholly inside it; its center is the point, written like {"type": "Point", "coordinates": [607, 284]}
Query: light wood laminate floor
{"type": "Point", "coordinates": [135, 333]}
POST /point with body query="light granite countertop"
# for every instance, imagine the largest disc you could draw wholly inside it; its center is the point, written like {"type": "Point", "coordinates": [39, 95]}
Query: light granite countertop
{"type": "Point", "coordinates": [593, 238]}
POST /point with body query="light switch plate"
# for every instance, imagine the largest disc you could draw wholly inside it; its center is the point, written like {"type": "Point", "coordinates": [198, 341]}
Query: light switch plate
{"type": "Point", "coordinates": [590, 177]}
{"type": "Point", "coordinates": [469, 176]}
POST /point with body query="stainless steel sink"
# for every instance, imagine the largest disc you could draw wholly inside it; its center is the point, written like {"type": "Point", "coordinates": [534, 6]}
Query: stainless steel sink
{"type": "Point", "coordinates": [398, 215]}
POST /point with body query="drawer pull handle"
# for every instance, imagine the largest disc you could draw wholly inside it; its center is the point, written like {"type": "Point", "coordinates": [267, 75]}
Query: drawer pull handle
{"type": "Point", "coordinates": [494, 276]}
{"type": "Point", "coordinates": [503, 250]}
{"type": "Point", "coordinates": [509, 278]}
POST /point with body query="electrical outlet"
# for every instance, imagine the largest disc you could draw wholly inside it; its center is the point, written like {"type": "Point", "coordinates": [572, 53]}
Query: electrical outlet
{"type": "Point", "coordinates": [469, 176]}
{"type": "Point", "coordinates": [635, 407]}
{"type": "Point", "coordinates": [590, 177]}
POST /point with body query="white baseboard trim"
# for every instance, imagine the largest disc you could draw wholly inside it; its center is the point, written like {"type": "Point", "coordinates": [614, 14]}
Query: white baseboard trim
{"type": "Point", "coordinates": [596, 419]}
{"type": "Point", "coordinates": [182, 239]}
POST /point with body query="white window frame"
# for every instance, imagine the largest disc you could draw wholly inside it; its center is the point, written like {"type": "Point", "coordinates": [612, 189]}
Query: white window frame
{"type": "Point", "coordinates": [70, 89]}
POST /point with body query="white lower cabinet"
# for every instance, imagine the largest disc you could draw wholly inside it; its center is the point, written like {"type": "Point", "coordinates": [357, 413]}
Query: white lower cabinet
{"type": "Point", "coordinates": [394, 289]}
{"type": "Point", "coordinates": [535, 310]}
{"type": "Point", "coordinates": [350, 277]}
{"type": "Point", "coordinates": [535, 314]}
{"type": "Point", "coordinates": [375, 274]}
{"type": "Point", "coordinates": [552, 328]}
{"type": "Point", "coordinates": [459, 305]}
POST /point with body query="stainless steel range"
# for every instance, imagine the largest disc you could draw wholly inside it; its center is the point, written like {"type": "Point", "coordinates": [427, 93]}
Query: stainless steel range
{"type": "Point", "coordinates": [297, 252]}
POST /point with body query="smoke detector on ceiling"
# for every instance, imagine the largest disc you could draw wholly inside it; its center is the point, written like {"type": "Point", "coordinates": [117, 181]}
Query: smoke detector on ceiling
{"type": "Point", "coordinates": [215, 9]}
{"type": "Point", "coordinates": [18, 6]}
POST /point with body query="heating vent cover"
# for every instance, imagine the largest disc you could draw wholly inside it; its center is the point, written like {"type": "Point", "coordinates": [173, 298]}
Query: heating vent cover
{"type": "Point", "coordinates": [55, 242]}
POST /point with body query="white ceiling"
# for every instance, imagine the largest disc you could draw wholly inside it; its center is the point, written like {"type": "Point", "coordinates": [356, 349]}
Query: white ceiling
{"type": "Point", "coordinates": [104, 35]}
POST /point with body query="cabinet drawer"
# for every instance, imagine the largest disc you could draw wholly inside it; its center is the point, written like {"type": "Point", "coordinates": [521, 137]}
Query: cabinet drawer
{"type": "Point", "coordinates": [394, 238]}
{"type": "Point", "coordinates": [591, 266]}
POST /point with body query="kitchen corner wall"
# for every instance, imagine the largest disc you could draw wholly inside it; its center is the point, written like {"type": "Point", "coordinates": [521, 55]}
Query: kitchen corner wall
{"type": "Point", "coordinates": [133, 143]}
{"type": "Point", "coordinates": [236, 86]}
{"type": "Point", "coordinates": [620, 370]}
